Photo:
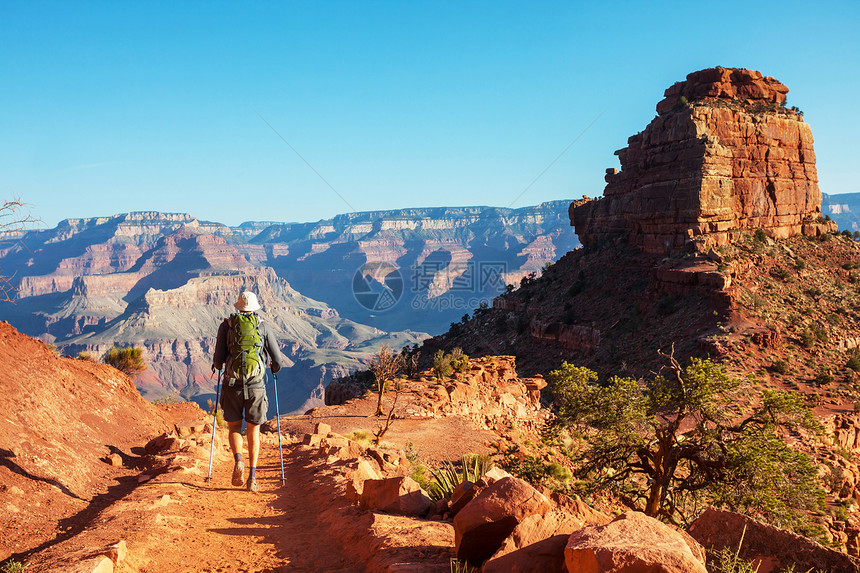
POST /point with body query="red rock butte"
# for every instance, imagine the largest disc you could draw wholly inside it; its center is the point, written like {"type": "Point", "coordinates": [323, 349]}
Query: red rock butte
{"type": "Point", "coordinates": [723, 157]}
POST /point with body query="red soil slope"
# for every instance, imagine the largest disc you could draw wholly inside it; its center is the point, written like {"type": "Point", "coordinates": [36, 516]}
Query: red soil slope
{"type": "Point", "coordinates": [58, 418]}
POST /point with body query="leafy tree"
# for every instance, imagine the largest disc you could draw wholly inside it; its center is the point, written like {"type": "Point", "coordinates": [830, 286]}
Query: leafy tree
{"type": "Point", "coordinates": [128, 360]}
{"type": "Point", "coordinates": [683, 439]}
{"type": "Point", "coordinates": [384, 365]}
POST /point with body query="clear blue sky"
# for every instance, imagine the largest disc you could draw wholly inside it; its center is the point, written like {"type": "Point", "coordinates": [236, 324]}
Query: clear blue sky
{"type": "Point", "coordinates": [107, 107]}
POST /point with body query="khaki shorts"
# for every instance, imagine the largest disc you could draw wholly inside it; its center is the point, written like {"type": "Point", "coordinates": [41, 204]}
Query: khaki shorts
{"type": "Point", "coordinates": [234, 404]}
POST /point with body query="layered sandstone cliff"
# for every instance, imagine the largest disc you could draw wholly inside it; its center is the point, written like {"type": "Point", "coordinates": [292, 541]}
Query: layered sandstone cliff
{"type": "Point", "coordinates": [723, 156]}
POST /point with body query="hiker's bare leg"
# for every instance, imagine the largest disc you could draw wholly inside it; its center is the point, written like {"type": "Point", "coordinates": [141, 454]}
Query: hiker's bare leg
{"type": "Point", "coordinates": [235, 437]}
{"type": "Point", "coordinates": [253, 434]}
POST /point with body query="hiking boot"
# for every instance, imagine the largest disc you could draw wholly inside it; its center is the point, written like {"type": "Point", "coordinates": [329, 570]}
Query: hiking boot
{"type": "Point", "coordinates": [252, 485]}
{"type": "Point", "coordinates": [239, 474]}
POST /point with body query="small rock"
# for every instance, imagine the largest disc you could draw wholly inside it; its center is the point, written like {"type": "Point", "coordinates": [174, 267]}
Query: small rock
{"type": "Point", "coordinates": [117, 552]}
{"type": "Point", "coordinates": [323, 429]}
{"type": "Point", "coordinates": [396, 495]}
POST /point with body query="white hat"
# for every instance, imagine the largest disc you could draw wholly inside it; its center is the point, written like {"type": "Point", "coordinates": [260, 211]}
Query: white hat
{"type": "Point", "coordinates": [247, 302]}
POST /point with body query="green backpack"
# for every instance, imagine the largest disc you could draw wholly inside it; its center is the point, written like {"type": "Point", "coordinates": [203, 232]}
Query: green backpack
{"type": "Point", "coordinates": [243, 345]}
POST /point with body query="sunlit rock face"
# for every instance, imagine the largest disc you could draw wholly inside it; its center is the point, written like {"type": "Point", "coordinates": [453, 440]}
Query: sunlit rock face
{"type": "Point", "coordinates": [723, 156]}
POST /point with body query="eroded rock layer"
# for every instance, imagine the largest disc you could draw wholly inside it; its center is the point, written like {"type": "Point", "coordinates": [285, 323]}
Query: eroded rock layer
{"type": "Point", "coordinates": [724, 155]}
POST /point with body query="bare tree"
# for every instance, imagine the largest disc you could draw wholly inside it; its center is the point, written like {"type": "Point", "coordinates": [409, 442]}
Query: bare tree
{"type": "Point", "coordinates": [381, 429]}
{"type": "Point", "coordinates": [385, 365]}
{"type": "Point", "coordinates": [14, 218]}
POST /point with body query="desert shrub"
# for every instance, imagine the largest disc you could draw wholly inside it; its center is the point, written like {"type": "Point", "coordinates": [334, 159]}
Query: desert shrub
{"type": "Point", "coordinates": [527, 467]}
{"type": "Point", "coordinates": [483, 308]}
{"type": "Point", "coordinates": [840, 512]}
{"type": "Point", "coordinates": [169, 398]}
{"type": "Point", "coordinates": [760, 236]}
{"type": "Point", "coordinates": [800, 264]}
{"type": "Point", "coordinates": [780, 367]}
{"type": "Point", "coordinates": [854, 362]}
{"type": "Point", "coordinates": [360, 436]}
{"type": "Point", "coordinates": [851, 265]}
{"type": "Point", "coordinates": [87, 356]}
{"type": "Point", "coordinates": [459, 360]}
{"type": "Point", "coordinates": [442, 366]}
{"type": "Point", "coordinates": [781, 273]}
{"type": "Point", "coordinates": [807, 339]}
{"type": "Point", "coordinates": [219, 413]}
{"type": "Point", "coordinates": [458, 566]}
{"type": "Point", "coordinates": [558, 472]}
{"type": "Point", "coordinates": [12, 566]}
{"type": "Point", "coordinates": [128, 360]}
{"type": "Point", "coordinates": [820, 333]}
{"type": "Point", "coordinates": [822, 379]}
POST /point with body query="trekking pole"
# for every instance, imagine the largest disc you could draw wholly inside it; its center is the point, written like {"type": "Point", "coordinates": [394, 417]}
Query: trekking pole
{"type": "Point", "coordinates": [278, 414]}
{"type": "Point", "coordinates": [214, 425]}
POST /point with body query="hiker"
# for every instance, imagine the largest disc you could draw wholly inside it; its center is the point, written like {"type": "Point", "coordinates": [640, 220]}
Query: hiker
{"type": "Point", "coordinates": [243, 348]}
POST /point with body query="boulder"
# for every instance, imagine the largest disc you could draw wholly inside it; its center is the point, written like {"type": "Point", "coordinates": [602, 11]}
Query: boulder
{"type": "Point", "coordinates": [363, 471]}
{"type": "Point", "coordinates": [538, 542]}
{"type": "Point", "coordinates": [463, 493]}
{"type": "Point", "coordinates": [773, 547]}
{"type": "Point", "coordinates": [484, 523]}
{"type": "Point", "coordinates": [395, 495]}
{"type": "Point", "coordinates": [633, 543]}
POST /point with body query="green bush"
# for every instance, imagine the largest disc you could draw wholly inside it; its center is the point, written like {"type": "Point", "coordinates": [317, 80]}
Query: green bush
{"type": "Point", "coordinates": [780, 367]}
{"type": "Point", "coordinates": [559, 472]}
{"type": "Point", "coordinates": [822, 379]}
{"type": "Point", "coordinates": [13, 566]}
{"type": "Point", "coordinates": [854, 362]}
{"type": "Point", "coordinates": [807, 339]}
{"type": "Point", "coordinates": [781, 273]}
{"type": "Point", "coordinates": [760, 236]}
{"type": "Point", "coordinates": [442, 366]}
{"type": "Point", "coordinates": [820, 333]}
{"type": "Point", "coordinates": [459, 360]}
{"type": "Point", "coordinates": [86, 356]}
{"type": "Point", "coordinates": [128, 360]}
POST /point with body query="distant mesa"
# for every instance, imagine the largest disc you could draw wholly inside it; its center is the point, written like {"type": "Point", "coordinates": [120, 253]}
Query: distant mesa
{"type": "Point", "coordinates": [724, 156]}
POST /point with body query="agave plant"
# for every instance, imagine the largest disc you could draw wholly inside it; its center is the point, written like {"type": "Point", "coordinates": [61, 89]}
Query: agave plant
{"type": "Point", "coordinates": [448, 476]}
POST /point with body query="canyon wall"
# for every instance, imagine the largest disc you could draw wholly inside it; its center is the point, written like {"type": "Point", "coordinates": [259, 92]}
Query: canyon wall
{"type": "Point", "coordinates": [164, 281]}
